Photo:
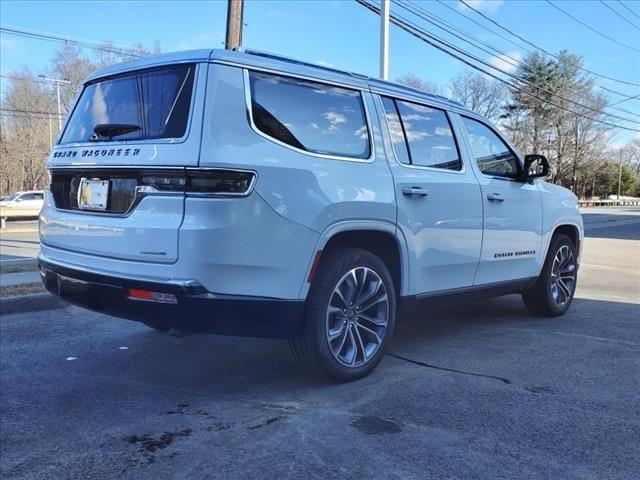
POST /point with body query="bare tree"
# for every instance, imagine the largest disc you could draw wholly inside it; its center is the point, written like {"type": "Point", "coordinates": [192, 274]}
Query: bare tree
{"type": "Point", "coordinates": [480, 94]}
{"type": "Point", "coordinates": [413, 81]}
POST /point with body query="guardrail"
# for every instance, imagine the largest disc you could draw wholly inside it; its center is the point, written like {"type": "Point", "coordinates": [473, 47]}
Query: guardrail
{"type": "Point", "coordinates": [608, 203]}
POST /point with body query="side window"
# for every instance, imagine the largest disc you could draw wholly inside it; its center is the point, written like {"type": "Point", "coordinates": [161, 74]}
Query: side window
{"type": "Point", "coordinates": [310, 116]}
{"type": "Point", "coordinates": [39, 196]}
{"type": "Point", "coordinates": [492, 155]}
{"type": "Point", "coordinates": [28, 196]}
{"type": "Point", "coordinates": [429, 135]}
{"type": "Point", "coordinates": [395, 130]}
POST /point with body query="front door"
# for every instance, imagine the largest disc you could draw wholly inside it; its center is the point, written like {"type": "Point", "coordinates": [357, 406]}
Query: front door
{"type": "Point", "coordinates": [438, 197]}
{"type": "Point", "coordinates": [511, 246]}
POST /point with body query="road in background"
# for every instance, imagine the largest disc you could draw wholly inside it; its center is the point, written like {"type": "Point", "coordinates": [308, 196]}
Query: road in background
{"type": "Point", "coordinates": [482, 390]}
{"type": "Point", "coordinates": [19, 242]}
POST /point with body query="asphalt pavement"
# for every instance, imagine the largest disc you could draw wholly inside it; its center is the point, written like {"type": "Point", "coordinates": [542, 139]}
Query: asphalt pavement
{"type": "Point", "coordinates": [482, 390]}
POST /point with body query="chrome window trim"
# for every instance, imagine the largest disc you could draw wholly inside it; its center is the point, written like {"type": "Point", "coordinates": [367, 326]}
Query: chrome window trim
{"type": "Point", "coordinates": [462, 171]}
{"type": "Point", "coordinates": [247, 97]}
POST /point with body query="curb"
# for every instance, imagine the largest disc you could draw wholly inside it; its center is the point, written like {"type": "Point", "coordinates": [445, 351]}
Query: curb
{"type": "Point", "coordinates": [30, 303]}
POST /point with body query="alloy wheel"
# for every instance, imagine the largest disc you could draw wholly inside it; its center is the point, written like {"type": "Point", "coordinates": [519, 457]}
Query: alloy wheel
{"type": "Point", "coordinates": [357, 317]}
{"type": "Point", "coordinates": [563, 276]}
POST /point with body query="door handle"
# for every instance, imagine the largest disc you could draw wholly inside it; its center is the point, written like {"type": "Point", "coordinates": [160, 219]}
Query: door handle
{"type": "Point", "coordinates": [495, 197]}
{"type": "Point", "coordinates": [415, 191]}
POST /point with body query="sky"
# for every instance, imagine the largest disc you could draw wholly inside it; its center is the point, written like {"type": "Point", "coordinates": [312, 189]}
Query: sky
{"type": "Point", "coordinates": [338, 33]}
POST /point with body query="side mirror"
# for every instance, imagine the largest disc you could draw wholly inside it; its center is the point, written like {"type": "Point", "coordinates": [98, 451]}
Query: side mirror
{"type": "Point", "coordinates": [536, 166]}
{"type": "Point", "coordinates": [19, 199]}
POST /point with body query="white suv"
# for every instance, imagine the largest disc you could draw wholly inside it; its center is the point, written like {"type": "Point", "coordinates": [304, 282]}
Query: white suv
{"type": "Point", "coordinates": [243, 193]}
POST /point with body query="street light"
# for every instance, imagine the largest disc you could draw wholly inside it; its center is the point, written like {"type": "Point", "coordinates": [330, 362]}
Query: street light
{"type": "Point", "coordinates": [57, 82]}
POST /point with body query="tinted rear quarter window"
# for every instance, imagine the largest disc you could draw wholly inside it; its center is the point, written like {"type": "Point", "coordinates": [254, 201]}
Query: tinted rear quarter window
{"type": "Point", "coordinates": [157, 101]}
{"type": "Point", "coordinates": [310, 116]}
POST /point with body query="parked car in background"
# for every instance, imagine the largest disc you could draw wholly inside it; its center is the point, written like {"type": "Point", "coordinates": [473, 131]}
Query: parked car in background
{"type": "Point", "coordinates": [242, 193]}
{"type": "Point", "coordinates": [22, 204]}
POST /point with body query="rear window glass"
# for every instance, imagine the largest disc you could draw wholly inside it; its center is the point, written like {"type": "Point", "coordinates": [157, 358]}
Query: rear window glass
{"type": "Point", "coordinates": [310, 116]}
{"type": "Point", "coordinates": [138, 106]}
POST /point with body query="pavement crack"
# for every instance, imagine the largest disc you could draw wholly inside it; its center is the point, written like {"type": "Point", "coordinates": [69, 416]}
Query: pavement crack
{"type": "Point", "coordinates": [453, 370]}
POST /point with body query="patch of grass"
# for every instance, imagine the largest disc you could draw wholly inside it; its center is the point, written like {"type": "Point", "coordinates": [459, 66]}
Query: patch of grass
{"type": "Point", "coordinates": [16, 267]}
{"type": "Point", "coordinates": [23, 289]}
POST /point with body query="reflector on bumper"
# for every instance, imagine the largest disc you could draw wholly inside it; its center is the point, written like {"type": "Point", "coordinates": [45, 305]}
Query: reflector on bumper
{"type": "Point", "coordinates": [149, 296]}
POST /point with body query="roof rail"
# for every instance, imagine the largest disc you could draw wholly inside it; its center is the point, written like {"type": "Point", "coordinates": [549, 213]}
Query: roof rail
{"type": "Point", "coordinates": [274, 56]}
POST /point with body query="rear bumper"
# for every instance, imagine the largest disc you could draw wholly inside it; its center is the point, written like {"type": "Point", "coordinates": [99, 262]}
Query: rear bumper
{"type": "Point", "coordinates": [196, 310]}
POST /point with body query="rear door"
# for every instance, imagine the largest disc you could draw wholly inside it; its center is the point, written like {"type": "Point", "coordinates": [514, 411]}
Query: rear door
{"type": "Point", "coordinates": [438, 197]}
{"type": "Point", "coordinates": [128, 141]}
{"type": "Point", "coordinates": [512, 208]}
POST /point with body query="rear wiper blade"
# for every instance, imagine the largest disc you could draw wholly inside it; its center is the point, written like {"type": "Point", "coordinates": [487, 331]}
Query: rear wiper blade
{"type": "Point", "coordinates": [110, 130]}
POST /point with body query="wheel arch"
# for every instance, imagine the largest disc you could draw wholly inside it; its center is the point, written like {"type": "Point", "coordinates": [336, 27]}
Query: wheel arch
{"type": "Point", "coordinates": [380, 238]}
{"type": "Point", "coordinates": [570, 229]}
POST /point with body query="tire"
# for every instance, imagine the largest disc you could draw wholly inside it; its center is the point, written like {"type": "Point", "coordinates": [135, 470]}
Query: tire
{"type": "Point", "coordinates": [360, 335]}
{"type": "Point", "coordinates": [552, 294]}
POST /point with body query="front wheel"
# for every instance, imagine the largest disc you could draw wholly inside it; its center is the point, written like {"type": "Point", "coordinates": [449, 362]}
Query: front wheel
{"type": "Point", "coordinates": [553, 292]}
{"type": "Point", "coordinates": [350, 315]}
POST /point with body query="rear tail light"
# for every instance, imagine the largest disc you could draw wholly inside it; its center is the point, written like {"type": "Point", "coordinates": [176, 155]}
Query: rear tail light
{"type": "Point", "coordinates": [219, 182]}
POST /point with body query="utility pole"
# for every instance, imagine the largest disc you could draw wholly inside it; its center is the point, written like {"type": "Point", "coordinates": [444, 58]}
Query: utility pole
{"type": "Point", "coordinates": [384, 39]}
{"type": "Point", "coordinates": [57, 82]}
{"type": "Point", "coordinates": [235, 11]}
{"type": "Point", "coordinates": [620, 175]}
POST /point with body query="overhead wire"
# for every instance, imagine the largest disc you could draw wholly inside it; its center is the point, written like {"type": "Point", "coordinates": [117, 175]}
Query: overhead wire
{"type": "Point", "coordinates": [518, 78]}
{"type": "Point", "coordinates": [533, 45]}
{"type": "Point", "coordinates": [586, 25]}
{"type": "Point", "coordinates": [515, 62]}
{"type": "Point", "coordinates": [619, 15]}
{"type": "Point", "coordinates": [419, 33]}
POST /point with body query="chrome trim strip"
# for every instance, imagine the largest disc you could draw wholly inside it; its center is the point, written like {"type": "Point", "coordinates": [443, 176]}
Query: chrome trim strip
{"type": "Point", "coordinates": [173, 282]}
{"type": "Point", "coordinates": [247, 97]}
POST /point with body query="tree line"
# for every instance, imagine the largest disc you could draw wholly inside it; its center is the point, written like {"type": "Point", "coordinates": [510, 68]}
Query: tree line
{"type": "Point", "coordinates": [555, 111]}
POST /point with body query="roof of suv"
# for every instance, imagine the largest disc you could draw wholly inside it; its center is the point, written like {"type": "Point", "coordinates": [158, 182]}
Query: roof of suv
{"type": "Point", "coordinates": [270, 61]}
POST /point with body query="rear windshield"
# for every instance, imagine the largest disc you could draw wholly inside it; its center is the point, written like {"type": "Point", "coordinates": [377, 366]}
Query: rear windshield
{"type": "Point", "coordinates": [141, 105]}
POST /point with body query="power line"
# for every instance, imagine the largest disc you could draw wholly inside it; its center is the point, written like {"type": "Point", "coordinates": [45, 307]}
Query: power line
{"type": "Point", "coordinates": [17, 110]}
{"type": "Point", "coordinates": [124, 51]}
{"type": "Point", "coordinates": [520, 79]}
{"type": "Point", "coordinates": [626, 100]}
{"type": "Point", "coordinates": [536, 47]}
{"type": "Point", "coordinates": [632, 12]}
{"type": "Point", "coordinates": [586, 25]}
{"type": "Point", "coordinates": [619, 15]}
{"type": "Point", "coordinates": [11, 77]}
{"type": "Point", "coordinates": [506, 57]}
{"type": "Point", "coordinates": [419, 33]}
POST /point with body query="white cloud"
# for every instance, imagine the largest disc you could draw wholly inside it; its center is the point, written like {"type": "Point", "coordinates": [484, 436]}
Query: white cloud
{"type": "Point", "coordinates": [334, 118]}
{"type": "Point", "coordinates": [507, 62]}
{"type": "Point", "coordinates": [486, 5]}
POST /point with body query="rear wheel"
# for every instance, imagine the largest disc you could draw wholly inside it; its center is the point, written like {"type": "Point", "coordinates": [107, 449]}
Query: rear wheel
{"type": "Point", "coordinates": [349, 316]}
{"type": "Point", "coordinates": [553, 292]}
